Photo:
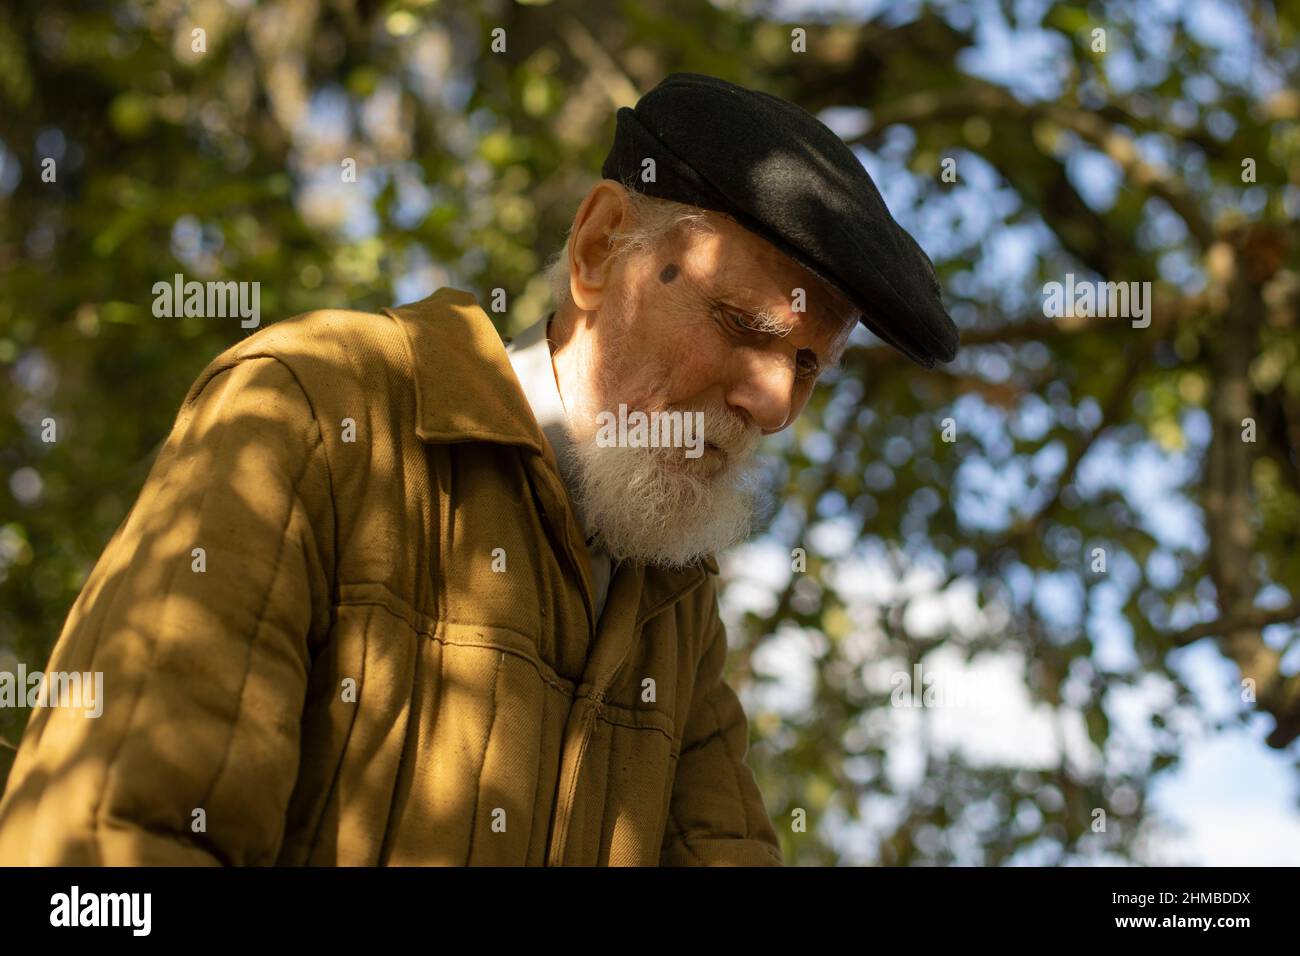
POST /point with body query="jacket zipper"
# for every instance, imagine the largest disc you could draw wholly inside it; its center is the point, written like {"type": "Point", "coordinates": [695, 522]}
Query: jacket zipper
{"type": "Point", "coordinates": [564, 810]}
{"type": "Point", "coordinates": [563, 813]}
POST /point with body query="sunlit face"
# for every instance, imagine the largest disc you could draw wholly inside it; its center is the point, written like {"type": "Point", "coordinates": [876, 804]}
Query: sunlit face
{"type": "Point", "coordinates": [704, 323]}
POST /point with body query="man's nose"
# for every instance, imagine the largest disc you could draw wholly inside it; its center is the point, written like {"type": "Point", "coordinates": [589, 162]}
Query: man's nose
{"type": "Point", "coordinates": [764, 387]}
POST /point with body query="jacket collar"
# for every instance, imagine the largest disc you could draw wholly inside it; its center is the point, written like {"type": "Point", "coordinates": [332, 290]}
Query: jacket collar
{"type": "Point", "coordinates": [456, 351]}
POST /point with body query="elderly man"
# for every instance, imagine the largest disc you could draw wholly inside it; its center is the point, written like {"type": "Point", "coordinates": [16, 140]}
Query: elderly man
{"type": "Point", "coordinates": [393, 594]}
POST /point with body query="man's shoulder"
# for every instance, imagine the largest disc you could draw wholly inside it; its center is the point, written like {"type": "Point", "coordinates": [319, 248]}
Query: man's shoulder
{"type": "Point", "coordinates": [341, 345]}
{"type": "Point", "coordinates": [339, 352]}
{"type": "Point", "coordinates": [329, 343]}
{"type": "Point", "coordinates": [439, 361]}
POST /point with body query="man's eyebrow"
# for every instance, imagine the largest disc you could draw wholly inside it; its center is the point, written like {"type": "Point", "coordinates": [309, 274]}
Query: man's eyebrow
{"type": "Point", "coordinates": [766, 321]}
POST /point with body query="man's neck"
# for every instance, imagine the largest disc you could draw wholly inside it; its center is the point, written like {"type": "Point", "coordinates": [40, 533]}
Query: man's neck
{"type": "Point", "coordinates": [555, 371]}
{"type": "Point", "coordinates": [559, 337]}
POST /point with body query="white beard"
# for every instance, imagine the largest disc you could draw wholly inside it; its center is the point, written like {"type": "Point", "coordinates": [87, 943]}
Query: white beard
{"type": "Point", "coordinates": [657, 506]}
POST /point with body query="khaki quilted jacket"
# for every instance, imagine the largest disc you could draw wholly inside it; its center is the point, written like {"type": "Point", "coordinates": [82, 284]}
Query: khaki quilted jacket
{"type": "Point", "coordinates": [349, 621]}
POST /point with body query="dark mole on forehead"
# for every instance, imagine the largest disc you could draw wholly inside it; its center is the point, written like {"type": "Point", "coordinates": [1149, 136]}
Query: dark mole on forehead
{"type": "Point", "coordinates": [669, 273]}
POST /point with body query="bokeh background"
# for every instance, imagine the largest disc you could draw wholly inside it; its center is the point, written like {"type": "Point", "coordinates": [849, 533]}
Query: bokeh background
{"type": "Point", "coordinates": [1162, 690]}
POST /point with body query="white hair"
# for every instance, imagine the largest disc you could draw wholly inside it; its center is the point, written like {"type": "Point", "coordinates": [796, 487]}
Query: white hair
{"type": "Point", "coordinates": [652, 220]}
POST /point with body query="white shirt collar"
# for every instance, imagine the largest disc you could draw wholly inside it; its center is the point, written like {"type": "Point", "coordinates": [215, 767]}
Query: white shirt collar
{"type": "Point", "coordinates": [530, 355]}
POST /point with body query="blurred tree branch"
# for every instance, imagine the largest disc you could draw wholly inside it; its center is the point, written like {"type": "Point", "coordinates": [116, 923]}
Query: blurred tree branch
{"type": "Point", "coordinates": [979, 97]}
{"type": "Point", "coordinates": [1251, 618]}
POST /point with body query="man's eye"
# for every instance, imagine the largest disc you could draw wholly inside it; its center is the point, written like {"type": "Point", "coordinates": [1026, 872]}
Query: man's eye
{"type": "Point", "coordinates": [739, 321]}
{"type": "Point", "coordinates": [807, 366]}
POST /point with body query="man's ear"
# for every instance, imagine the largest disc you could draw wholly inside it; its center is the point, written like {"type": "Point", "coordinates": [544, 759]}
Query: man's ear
{"type": "Point", "coordinates": [602, 213]}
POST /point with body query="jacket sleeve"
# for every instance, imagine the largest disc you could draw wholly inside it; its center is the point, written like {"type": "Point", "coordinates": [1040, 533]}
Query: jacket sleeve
{"type": "Point", "coordinates": [203, 653]}
{"type": "Point", "coordinates": [716, 815]}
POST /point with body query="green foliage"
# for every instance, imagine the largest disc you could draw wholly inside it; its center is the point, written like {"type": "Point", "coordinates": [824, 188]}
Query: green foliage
{"type": "Point", "coordinates": [226, 165]}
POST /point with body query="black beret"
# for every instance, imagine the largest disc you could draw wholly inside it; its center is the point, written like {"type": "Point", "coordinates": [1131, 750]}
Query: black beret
{"type": "Point", "coordinates": [781, 173]}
